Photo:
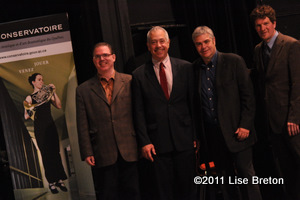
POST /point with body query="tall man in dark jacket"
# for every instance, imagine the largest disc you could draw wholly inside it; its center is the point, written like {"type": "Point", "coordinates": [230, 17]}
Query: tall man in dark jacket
{"type": "Point", "coordinates": [162, 94]}
{"type": "Point", "coordinates": [277, 64]}
{"type": "Point", "coordinates": [226, 108]}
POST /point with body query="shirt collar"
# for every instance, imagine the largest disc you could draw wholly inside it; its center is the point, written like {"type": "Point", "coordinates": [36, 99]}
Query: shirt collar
{"type": "Point", "coordinates": [213, 61]}
{"type": "Point", "coordinates": [157, 63]}
{"type": "Point", "coordinates": [107, 78]}
{"type": "Point", "coordinates": [272, 41]}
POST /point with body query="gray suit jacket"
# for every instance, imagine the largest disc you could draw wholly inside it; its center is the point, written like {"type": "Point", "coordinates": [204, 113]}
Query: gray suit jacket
{"type": "Point", "coordinates": [279, 86]}
{"type": "Point", "coordinates": [104, 129]}
{"type": "Point", "coordinates": [235, 99]}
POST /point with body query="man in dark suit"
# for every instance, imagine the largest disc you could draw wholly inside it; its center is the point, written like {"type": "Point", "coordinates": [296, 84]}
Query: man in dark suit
{"type": "Point", "coordinates": [226, 107]}
{"type": "Point", "coordinates": [162, 94]}
{"type": "Point", "coordinates": [105, 128]}
{"type": "Point", "coordinates": [277, 63]}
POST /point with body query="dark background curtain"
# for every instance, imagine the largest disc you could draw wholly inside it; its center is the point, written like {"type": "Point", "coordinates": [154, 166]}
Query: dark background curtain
{"type": "Point", "coordinates": [229, 19]}
{"type": "Point", "coordinates": [124, 24]}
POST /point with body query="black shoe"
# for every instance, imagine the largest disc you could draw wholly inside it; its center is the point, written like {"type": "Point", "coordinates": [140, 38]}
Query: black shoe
{"type": "Point", "coordinates": [61, 186]}
{"type": "Point", "coordinates": [53, 188]}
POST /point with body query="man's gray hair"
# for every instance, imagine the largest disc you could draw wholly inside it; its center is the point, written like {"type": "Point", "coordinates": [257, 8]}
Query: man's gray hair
{"type": "Point", "coordinates": [156, 28]}
{"type": "Point", "coordinates": [200, 30]}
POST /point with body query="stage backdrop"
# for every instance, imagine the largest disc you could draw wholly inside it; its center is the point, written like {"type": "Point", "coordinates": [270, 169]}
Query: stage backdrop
{"type": "Point", "coordinates": [39, 45]}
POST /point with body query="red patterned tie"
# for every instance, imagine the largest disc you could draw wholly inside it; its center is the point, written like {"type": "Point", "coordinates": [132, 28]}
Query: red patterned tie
{"type": "Point", "coordinates": [163, 80]}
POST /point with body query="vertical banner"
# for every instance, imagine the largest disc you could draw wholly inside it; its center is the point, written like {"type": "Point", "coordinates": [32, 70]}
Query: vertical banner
{"type": "Point", "coordinates": [37, 85]}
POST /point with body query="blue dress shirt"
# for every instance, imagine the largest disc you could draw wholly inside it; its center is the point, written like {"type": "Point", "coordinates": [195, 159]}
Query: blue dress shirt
{"type": "Point", "coordinates": [208, 92]}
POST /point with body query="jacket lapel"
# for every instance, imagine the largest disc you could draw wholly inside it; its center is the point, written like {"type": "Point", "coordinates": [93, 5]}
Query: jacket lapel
{"type": "Point", "coordinates": [150, 74]}
{"type": "Point", "coordinates": [97, 88]}
{"type": "Point", "coordinates": [118, 84]}
{"type": "Point", "coordinates": [274, 53]}
{"type": "Point", "coordinates": [261, 63]}
{"type": "Point", "coordinates": [175, 77]}
{"type": "Point", "coordinates": [219, 70]}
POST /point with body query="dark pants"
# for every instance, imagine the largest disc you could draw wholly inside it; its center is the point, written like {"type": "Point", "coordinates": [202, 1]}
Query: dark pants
{"type": "Point", "coordinates": [117, 182]}
{"type": "Point", "coordinates": [230, 165]}
{"type": "Point", "coordinates": [286, 152]}
{"type": "Point", "coordinates": [169, 177]}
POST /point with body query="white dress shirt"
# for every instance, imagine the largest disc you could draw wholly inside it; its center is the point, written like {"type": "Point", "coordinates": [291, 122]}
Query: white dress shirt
{"type": "Point", "coordinates": [168, 70]}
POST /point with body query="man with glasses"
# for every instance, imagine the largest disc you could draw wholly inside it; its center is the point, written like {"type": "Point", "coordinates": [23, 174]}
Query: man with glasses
{"type": "Point", "coordinates": [105, 128]}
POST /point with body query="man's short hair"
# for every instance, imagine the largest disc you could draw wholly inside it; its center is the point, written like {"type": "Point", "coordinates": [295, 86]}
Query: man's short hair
{"type": "Point", "coordinates": [104, 44]}
{"type": "Point", "coordinates": [156, 28]}
{"type": "Point", "coordinates": [200, 30]}
{"type": "Point", "coordinates": [263, 11]}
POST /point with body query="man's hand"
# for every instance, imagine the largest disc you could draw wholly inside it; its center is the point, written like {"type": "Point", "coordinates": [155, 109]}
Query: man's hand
{"type": "Point", "coordinates": [242, 133]}
{"type": "Point", "coordinates": [147, 152]}
{"type": "Point", "coordinates": [293, 129]}
{"type": "Point", "coordinates": [90, 160]}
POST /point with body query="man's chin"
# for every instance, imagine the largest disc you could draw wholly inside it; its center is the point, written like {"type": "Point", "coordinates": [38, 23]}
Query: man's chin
{"type": "Point", "coordinates": [160, 56]}
{"type": "Point", "coordinates": [264, 36]}
{"type": "Point", "coordinates": [104, 69]}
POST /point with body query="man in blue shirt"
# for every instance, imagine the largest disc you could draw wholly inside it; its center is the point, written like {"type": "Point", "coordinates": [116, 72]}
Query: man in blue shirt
{"type": "Point", "coordinates": [277, 79]}
{"type": "Point", "coordinates": [226, 108]}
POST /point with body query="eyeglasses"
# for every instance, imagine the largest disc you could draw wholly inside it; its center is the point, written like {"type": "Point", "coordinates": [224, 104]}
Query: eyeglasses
{"type": "Point", "coordinates": [105, 55]}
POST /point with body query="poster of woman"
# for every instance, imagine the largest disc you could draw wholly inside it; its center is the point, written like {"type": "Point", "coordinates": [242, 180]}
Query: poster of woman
{"type": "Point", "coordinates": [38, 82]}
{"type": "Point", "coordinates": [38, 108]}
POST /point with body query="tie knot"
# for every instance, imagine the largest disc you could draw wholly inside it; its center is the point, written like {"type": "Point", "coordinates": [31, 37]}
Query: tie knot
{"type": "Point", "coordinates": [267, 48]}
{"type": "Point", "coordinates": [161, 65]}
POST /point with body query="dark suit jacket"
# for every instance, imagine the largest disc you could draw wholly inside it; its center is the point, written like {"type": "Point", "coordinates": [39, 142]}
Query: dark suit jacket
{"type": "Point", "coordinates": [279, 87]}
{"type": "Point", "coordinates": [103, 128]}
{"type": "Point", "coordinates": [235, 99]}
{"type": "Point", "coordinates": [167, 124]}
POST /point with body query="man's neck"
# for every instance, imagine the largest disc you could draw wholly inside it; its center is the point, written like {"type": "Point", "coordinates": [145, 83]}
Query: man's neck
{"type": "Point", "coordinates": [107, 75]}
{"type": "Point", "coordinates": [158, 61]}
{"type": "Point", "coordinates": [267, 41]}
{"type": "Point", "coordinates": [206, 61]}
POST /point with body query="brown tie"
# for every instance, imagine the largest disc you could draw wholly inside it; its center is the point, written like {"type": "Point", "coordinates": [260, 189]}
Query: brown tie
{"type": "Point", "coordinates": [163, 80]}
{"type": "Point", "coordinates": [108, 88]}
